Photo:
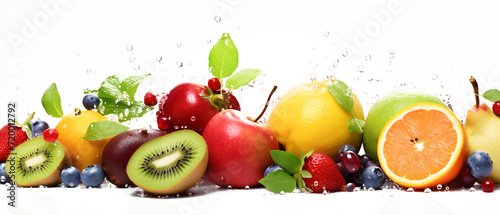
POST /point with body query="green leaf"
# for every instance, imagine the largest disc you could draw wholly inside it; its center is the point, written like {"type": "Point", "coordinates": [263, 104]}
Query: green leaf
{"type": "Point", "coordinates": [130, 84]}
{"type": "Point", "coordinates": [356, 125]}
{"type": "Point", "coordinates": [286, 160]}
{"type": "Point", "coordinates": [123, 109]}
{"type": "Point", "coordinates": [104, 129]}
{"type": "Point", "coordinates": [306, 174]}
{"type": "Point", "coordinates": [343, 94]}
{"type": "Point", "coordinates": [492, 95]}
{"type": "Point", "coordinates": [242, 78]}
{"type": "Point", "coordinates": [51, 101]}
{"type": "Point", "coordinates": [223, 58]}
{"type": "Point", "coordinates": [303, 158]}
{"type": "Point", "coordinates": [110, 88]}
{"type": "Point", "coordinates": [278, 181]}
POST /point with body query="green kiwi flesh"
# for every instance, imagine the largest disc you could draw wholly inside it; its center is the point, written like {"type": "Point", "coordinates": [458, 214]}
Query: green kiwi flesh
{"type": "Point", "coordinates": [37, 162]}
{"type": "Point", "coordinates": [169, 164]}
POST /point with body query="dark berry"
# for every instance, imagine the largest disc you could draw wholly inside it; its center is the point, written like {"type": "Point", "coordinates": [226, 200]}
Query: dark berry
{"type": "Point", "coordinates": [344, 173]}
{"type": "Point", "coordinates": [465, 178]}
{"type": "Point", "coordinates": [496, 108]}
{"type": "Point", "coordinates": [356, 178]}
{"type": "Point", "coordinates": [488, 186]}
{"type": "Point", "coordinates": [38, 127]}
{"type": "Point", "coordinates": [91, 101]}
{"type": "Point", "coordinates": [150, 99]}
{"type": "Point", "coordinates": [350, 187]}
{"type": "Point", "coordinates": [50, 135]}
{"type": "Point", "coordinates": [214, 84]}
{"type": "Point", "coordinates": [272, 168]}
{"type": "Point", "coordinates": [338, 156]}
{"type": "Point", "coordinates": [4, 177]}
{"type": "Point", "coordinates": [92, 176]}
{"type": "Point", "coordinates": [346, 148]}
{"type": "Point", "coordinates": [372, 163]}
{"type": "Point", "coordinates": [350, 161]}
{"type": "Point", "coordinates": [70, 176]}
{"type": "Point", "coordinates": [365, 158]}
{"type": "Point", "coordinates": [479, 164]}
{"type": "Point", "coordinates": [373, 177]}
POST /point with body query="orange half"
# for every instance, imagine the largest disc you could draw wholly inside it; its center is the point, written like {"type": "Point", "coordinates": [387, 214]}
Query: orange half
{"type": "Point", "coordinates": [422, 146]}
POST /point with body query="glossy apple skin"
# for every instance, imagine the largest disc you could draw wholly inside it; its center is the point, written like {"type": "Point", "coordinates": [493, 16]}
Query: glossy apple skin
{"type": "Point", "coordinates": [238, 149]}
{"type": "Point", "coordinates": [118, 151]}
{"type": "Point", "coordinates": [184, 108]}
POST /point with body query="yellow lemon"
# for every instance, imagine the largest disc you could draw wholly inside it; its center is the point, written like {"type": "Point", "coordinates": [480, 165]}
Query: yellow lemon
{"type": "Point", "coordinates": [71, 129]}
{"type": "Point", "coordinates": [308, 118]}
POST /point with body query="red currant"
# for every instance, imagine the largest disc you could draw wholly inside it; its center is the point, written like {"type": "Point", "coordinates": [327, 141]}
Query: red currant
{"type": "Point", "coordinates": [488, 186]}
{"type": "Point", "coordinates": [150, 99]}
{"type": "Point", "coordinates": [214, 84]}
{"type": "Point", "coordinates": [496, 108]}
{"type": "Point", "coordinates": [50, 135]}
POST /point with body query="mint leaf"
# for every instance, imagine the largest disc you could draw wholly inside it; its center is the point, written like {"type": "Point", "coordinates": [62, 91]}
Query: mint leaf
{"type": "Point", "coordinates": [51, 101]}
{"type": "Point", "coordinates": [104, 129]}
{"type": "Point", "coordinates": [130, 84]}
{"type": "Point", "coordinates": [286, 160]}
{"type": "Point", "coordinates": [356, 125]}
{"type": "Point", "coordinates": [492, 95]}
{"type": "Point", "coordinates": [242, 78]}
{"type": "Point", "coordinates": [223, 58]}
{"type": "Point", "coordinates": [123, 109]}
{"type": "Point", "coordinates": [110, 88]}
{"type": "Point", "coordinates": [343, 94]}
{"type": "Point", "coordinates": [278, 181]}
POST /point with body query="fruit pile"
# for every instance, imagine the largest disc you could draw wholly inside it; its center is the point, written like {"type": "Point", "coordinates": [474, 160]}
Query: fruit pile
{"type": "Point", "coordinates": [311, 142]}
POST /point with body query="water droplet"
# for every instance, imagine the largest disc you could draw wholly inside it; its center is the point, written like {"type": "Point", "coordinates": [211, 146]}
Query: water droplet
{"type": "Point", "coordinates": [282, 192]}
{"type": "Point", "coordinates": [41, 186]}
{"type": "Point", "coordinates": [193, 118]}
{"type": "Point", "coordinates": [247, 187]}
{"type": "Point", "coordinates": [472, 189]}
{"type": "Point", "coordinates": [222, 178]}
{"type": "Point", "coordinates": [229, 187]}
{"type": "Point", "coordinates": [89, 71]}
{"type": "Point", "coordinates": [2, 179]}
{"type": "Point", "coordinates": [158, 58]}
{"type": "Point", "coordinates": [356, 189]}
{"type": "Point", "coordinates": [316, 183]}
{"type": "Point", "coordinates": [179, 64]}
{"type": "Point", "coordinates": [131, 59]}
{"type": "Point", "coordinates": [129, 47]}
{"type": "Point", "coordinates": [217, 19]}
{"type": "Point", "coordinates": [439, 187]}
{"type": "Point", "coordinates": [336, 63]}
{"type": "Point", "coordinates": [58, 152]}
{"type": "Point", "coordinates": [190, 194]}
{"type": "Point", "coordinates": [361, 68]}
{"type": "Point", "coordinates": [345, 53]}
{"type": "Point", "coordinates": [393, 52]}
{"type": "Point", "coordinates": [447, 188]}
{"type": "Point", "coordinates": [371, 189]}
{"type": "Point", "coordinates": [178, 195]}
{"type": "Point", "coordinates": [462, 189]}
{"type": "Point", "coordinates": [427, 190]}
{"type": "Point", "coordinates": [209, 40]}
{"type": "Point", "coordinates": [368, 57]}
{"type": "Point", "coordinates": [137, 67]}
{"type": "Point", "coordinates": [326, 33]}
{"type": "Point", "coordinates": [410, 190]}
{"type": "Point", "coordinates": [126, 185]}
{"type": "Point", "coordinates": [78, 157]}
{"type": "Point", "coordinates": [179, 45]}
{"type": "Point", "coordinates": [325, 192]}
{"type": "Point", "coordinates": [227, 42]}
{"type": "Point", "coordinates": [434, 77]}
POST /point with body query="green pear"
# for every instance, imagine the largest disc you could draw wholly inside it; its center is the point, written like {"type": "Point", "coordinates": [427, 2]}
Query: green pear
{"type": "Point", "coordinates": [482, 128]}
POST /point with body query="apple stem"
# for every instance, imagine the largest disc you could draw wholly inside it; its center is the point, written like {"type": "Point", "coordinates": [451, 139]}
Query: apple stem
{"type": "Point", "coordinates": [267, 103]}
{"type": "Point", "coordinates": [476, 89]}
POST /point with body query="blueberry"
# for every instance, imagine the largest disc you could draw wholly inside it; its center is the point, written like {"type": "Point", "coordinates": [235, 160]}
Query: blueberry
{"type": "Point", "coordinates": [346, 148]}
{"type": "Point", "coordinates": [38, 127]}
{"type": "Point", "coordinates": [479, 164]}
{"type": "Point", "coordinates": [92, 176]}
{"type": "Point", "coordinates": [344, 173]}
{"type": "Point", "coordinates": [373, 177]}
{"type": "Point", "coordinates": [4, 177]}
{"type": "Point", "coordinates": [350, 187]}
{"type": "Point", "coordinates": [372, 163]}
{"type": "Point", "coordinates": [365, 158]}
{"type": "Point", "coordinates": [91, 101]}
{"type": "Point", "coordinates": [70, 176]}
{"type": "Point", "coordinates": [272, 168]}
{"type": "Point", "coordinates": [357, 178]}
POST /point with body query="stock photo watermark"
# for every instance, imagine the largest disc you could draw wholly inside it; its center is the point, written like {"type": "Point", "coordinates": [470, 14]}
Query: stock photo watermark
{"type": "Point", "coordinates": [11, 138]}
{"type": "Point", "coordinates": [32, 24]}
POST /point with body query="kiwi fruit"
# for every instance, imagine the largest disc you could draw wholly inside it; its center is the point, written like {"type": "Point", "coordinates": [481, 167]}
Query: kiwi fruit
{"type": "Point", "coordinates": [118, 151]}
{"type": "Point", "coordinates": [170, 164]}
{"type": "Point", "coordinates": [37, 162]}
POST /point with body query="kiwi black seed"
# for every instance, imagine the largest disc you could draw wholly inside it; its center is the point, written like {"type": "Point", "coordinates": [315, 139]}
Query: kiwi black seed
{"type": "Point", "coordinates": [37, 162]}
{"type": "Point", "coordinates": [169, 164]}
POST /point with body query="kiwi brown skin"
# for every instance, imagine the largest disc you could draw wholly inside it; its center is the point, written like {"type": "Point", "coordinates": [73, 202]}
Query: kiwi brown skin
{"type": "Point", "coordinates": [118, 151]}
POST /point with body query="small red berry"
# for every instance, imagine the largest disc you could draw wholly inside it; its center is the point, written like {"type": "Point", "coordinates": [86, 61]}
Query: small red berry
{"type": "Point", "coordinates": [214, 84]}
{"type": "Point", "coordinates": [50, 135]}
{"type": "Point", "coordinates": [488, 186]}
{"type": "Point", "coordinates": [496, 108]}
{"type": "Point", "coordinates": [150, 99]}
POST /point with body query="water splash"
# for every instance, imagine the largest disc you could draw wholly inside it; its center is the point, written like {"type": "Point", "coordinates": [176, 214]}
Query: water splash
{"type": "Point", "coordinates": [129, 47]}
{"type": "Point", "coordinates": [179, 64]}
{"type": "Point", "coordinates": [217, 19]}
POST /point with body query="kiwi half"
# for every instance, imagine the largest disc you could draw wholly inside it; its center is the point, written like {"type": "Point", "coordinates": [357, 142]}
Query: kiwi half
{"type": "Point", "coordinates": [169, 164]}
{"type": "Point", "coordinates": [37, 162]}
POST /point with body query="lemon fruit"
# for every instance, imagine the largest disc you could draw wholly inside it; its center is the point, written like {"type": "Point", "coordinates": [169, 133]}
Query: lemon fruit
{"type": "Point", "coordinates": [71, 129]}
{"type": "Point", "coordinates": [384, 109]}
{"type": "Point", "coordinates": [308, 118]}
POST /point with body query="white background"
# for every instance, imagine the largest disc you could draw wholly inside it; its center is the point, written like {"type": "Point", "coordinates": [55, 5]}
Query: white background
{"type": "Point", "coordinates": [374, 46]}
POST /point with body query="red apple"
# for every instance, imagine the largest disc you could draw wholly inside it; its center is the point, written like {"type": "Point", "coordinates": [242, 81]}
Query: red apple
{"type": "Point", "coordinates": [238, 149]}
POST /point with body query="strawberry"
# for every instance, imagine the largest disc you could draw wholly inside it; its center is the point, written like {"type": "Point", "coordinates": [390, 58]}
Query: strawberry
{"type": "Point", "coordinates": [325, 174]}
{"type": "Point", "coordinates": [19, 137]}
